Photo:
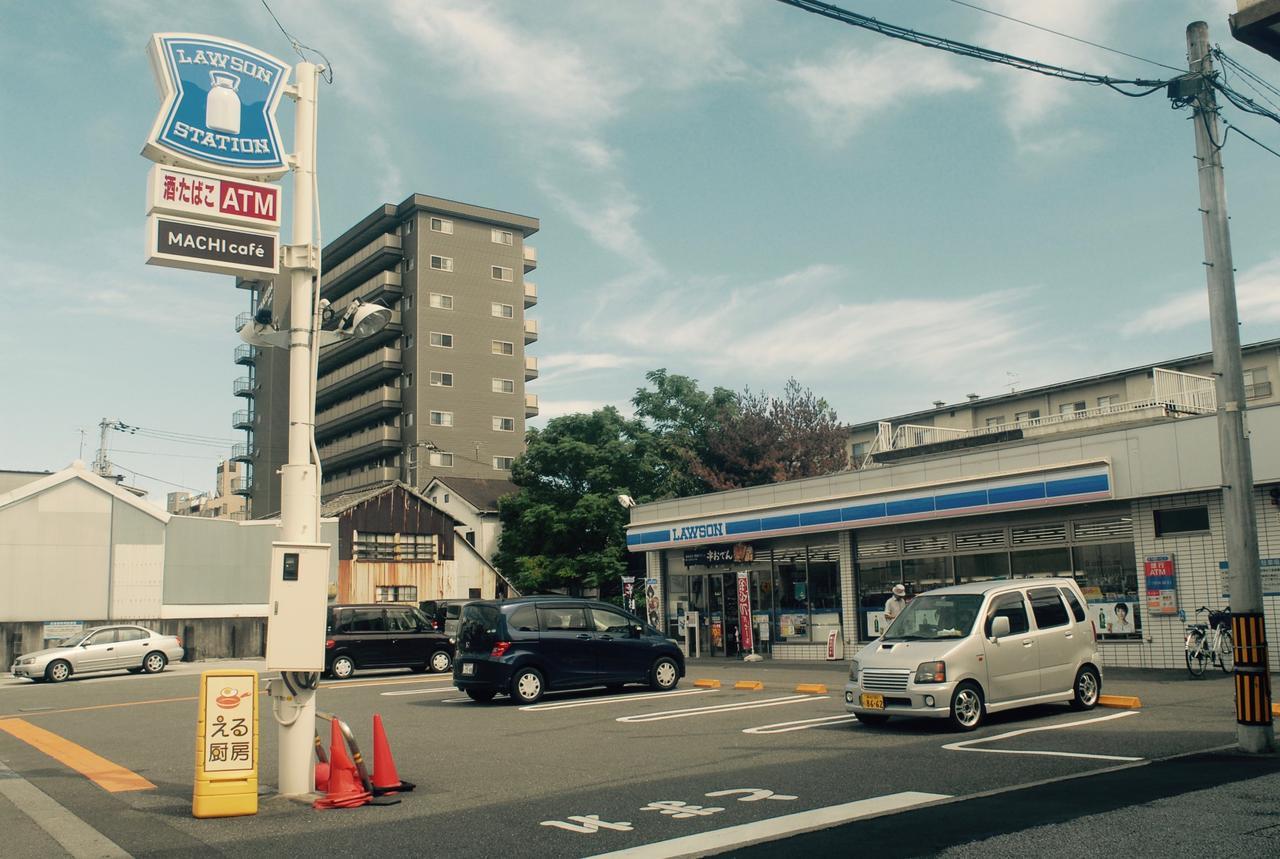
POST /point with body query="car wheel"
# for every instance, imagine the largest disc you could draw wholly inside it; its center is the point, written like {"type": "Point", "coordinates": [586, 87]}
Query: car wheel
{"type": "Point", "coordinates": [58, 671]}
{"type": "Point", "coordinates": [966, 707]}
{"type": "Point", "coordinates": [482, 696]}
{"type": "Point", "coordinates": [342, 668]}
{"type": "Point", "coordinates": [526, 686]}
{"type": "Point", "coordinates": [154, 662]}
{"type": "Point", "coordinates": [440, 661]}
{"type": "Point", "coordinates": [1087, 688]}
{"type": "Point", "coordinates": [664, 675]}
{"type": "Point", "coordinates": [871, 720]}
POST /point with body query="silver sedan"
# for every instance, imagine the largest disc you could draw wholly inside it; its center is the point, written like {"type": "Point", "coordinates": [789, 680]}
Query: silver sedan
{"type": "Point", "coordinates": [102, 648]}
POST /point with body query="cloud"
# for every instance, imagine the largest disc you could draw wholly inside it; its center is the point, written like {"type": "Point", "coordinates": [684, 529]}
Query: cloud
{"type": "Point", "coordinates": [1257, 297]}
{"type": "Point", "coordinates": [841, 93]}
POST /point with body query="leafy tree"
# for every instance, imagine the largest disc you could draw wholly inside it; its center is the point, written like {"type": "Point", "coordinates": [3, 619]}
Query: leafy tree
{"type": "Point", "coordinates": [682, 417]}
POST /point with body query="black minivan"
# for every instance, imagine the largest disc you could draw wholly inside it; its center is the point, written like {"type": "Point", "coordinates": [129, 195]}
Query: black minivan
{"type": "Point", "coordinates": [382, 636]}
{"type": "Point", "coordinates": [525, 646]}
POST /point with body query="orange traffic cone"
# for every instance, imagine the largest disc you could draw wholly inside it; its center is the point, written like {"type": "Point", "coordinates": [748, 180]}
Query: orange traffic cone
{"type": "Point", "coordinates": [322, 777]}
{"type": "Point", "coordinates": [345, 789]}
{"type": "Point", "coordinates": [385, 777]}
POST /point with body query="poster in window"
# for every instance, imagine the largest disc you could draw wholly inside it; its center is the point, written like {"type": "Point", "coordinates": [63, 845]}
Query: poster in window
{"type": "Point", "coordinates": [1116, 618]}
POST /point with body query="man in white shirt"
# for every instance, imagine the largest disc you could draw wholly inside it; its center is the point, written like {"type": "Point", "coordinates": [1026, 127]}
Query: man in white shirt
{"type": "Point", "coordinates": [894, 606]}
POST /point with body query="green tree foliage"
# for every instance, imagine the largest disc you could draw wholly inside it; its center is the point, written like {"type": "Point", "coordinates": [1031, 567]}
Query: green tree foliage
{"type": "Point", "coordinates": [682, 418]}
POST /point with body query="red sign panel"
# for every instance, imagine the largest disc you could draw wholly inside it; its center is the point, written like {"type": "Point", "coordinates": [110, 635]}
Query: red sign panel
{"type": "Point", "coordinates": [744, 611]}
{"type": "Point", "coordinates": [188, 192]}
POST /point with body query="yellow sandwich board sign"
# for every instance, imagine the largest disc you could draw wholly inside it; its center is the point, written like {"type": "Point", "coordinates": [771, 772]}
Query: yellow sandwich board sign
{"type": "Point", "coordinates": [227, 745]}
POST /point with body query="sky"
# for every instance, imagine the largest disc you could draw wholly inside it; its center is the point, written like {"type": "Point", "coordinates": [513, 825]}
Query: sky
{"type": "Point", "coordinates": [733, 190]}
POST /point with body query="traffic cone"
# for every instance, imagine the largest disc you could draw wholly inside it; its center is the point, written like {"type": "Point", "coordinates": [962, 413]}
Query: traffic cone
{"type": "Point", "coordinates": [322, 778]}
{"type": "Point", "coordinates": [385, 777]}
{"type": "Point", "coordinates": [345, 790]}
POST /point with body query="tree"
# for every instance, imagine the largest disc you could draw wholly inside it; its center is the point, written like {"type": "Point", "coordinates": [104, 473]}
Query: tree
{"type": "Point", "coordinates": [682, 417]}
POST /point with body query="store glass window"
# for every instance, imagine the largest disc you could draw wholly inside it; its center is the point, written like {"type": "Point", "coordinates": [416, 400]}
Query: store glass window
{"type": "Point", "coordinates": [1108, 575]}
{"type": "Point", "coordinates": [981, 568]}
{"type": "Point", "coordinates": [791, 593]}
{"type": "Point", "coordinates": [925, 574]}
{"type": "Point", "coordinates": [824, 591]}
{"type": "Point", "coordinates": [1054, 561]}
{"type": "Point", "coordinates": [876, 579]}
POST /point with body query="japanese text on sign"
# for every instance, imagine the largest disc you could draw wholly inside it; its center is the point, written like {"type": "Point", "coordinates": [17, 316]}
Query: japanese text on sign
{"type": "Point", "coordinates": [228, 724]}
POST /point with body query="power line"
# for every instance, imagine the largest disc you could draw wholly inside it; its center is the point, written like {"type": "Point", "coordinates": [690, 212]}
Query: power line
{"type": "Point", "coordinates": [893, 31]}
{"type": "Point", "coordinates": [156, 479]}
{"type": "Point", "coordinates": [1066, 35]}
{"type": "Point", "coordinates": [298, 47]}
{"type": "Point", "coordinates": [1238, 130]}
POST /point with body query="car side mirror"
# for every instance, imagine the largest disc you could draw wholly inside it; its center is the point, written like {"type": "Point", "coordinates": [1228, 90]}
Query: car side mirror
{"type": "Point", "coordinates": [637, 631]}
{"type": "Point", "coordinates": [999, 628]}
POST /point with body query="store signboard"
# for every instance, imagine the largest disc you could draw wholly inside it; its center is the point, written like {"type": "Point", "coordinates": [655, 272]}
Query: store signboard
{"type": "Point", "coordinates": [1270, 569]}
{"type": "Point", "coordinates": [745, 641]}
{"type": "Point", "coordinates": [217, 248]}
{"type": "Point", "coordinates": [1162, 592]}
{"type": "Point", "coordinates": [192, 193]}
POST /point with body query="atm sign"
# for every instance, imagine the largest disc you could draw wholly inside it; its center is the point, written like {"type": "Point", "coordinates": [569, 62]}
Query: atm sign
{"type": "Point", "coordinates": [189, 192]}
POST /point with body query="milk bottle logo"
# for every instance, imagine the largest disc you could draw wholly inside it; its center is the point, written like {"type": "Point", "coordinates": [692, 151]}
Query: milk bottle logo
{"type": "Point", "coordinates": [222, 111]}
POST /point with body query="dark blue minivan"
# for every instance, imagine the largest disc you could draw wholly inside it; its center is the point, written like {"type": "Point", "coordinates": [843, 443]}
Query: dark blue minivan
{"type": "Point", "coordinates": [525, 646]}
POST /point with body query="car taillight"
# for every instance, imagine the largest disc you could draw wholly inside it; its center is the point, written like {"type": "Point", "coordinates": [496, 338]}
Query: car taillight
{"type": "Point", "coordinates": [330, 644]}
{"type": "Point", "coordinates": [177, 639]}
{"type": "Point", "coordinates": [499, 649]}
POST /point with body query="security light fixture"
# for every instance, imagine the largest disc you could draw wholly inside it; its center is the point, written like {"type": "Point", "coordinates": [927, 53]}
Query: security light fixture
{"type": "Point", "coordinates": [626, 501]}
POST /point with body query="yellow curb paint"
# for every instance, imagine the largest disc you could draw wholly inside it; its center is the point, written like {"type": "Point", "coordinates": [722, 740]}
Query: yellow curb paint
{"type": "Point", "coordinates": [753, 685]}
{"type": "Point", "coordinates": [1275, 709]}
{"type": "Point", "coordinates": [105, 774]}
{"type": "Point", "coordinates": [812, 688]}
{"type": "Point", "coordinates": [707, 684]}
{"type": "Point", "coordinates": [1120, 702]}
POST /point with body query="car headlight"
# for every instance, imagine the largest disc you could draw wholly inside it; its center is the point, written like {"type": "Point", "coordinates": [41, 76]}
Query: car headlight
{"type": "Point", "coordinates": [30, 660]}
{"type": "Point", "coordinates": [931, 672]}
{"type": "Point", "coordinates": [853, 670]}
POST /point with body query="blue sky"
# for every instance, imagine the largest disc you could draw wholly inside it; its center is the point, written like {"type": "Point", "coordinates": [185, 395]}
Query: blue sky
{"type": "Point", "coordinates": [736, 191]}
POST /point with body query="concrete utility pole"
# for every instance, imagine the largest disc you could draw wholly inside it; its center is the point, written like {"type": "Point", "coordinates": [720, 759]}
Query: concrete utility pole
{"type": "Point", "coordinates": [1254, 731]}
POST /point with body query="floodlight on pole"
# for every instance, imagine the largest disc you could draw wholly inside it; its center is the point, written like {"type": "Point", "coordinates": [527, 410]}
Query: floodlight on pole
{"type": "Point", "coordinates": [626, 501]}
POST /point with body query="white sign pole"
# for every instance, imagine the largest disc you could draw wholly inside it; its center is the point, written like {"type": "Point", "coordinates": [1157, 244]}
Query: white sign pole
{"type": "Point", "coordinates": [299, 479]}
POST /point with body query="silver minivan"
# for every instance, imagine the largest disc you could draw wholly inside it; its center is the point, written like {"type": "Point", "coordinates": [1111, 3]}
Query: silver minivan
{"type": "Point", "coordinates": [961, 652]}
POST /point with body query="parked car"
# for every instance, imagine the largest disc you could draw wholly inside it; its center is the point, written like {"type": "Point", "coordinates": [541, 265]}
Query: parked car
{"type": "Point", "coordinates": [961, 652]}
{"type": "Point", "coordinates": [525, 646]}
{"type": "Point", "coordinates": [443, 614]}
{"type": "Point", "coordinates": [383, 636]}
{"type": "Point", "coordinates": [101, 648]}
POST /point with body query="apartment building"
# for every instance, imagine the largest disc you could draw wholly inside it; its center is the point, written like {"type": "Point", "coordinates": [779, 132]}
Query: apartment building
{"type": "Point", "coordinates": [227, 501]}
{"type": "Point", "coordinates": [440, 390]}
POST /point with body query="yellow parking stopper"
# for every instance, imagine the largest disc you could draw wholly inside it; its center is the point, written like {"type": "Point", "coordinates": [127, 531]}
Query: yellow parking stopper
{"type": "Point", "coordinates": [1275, 709]}
{"type": "Point", "coordinates": [753, 685]}
{"type": "Point", "coordinates": [707, 684]}
{"type": "Point", "coordinates": [812, 688]}
{"type": "Point", "coordinates": [1120, 702]}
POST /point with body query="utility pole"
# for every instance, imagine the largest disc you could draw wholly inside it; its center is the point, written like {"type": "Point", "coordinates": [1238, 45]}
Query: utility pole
{"type": "Point", "coordinates": [1254, 731]}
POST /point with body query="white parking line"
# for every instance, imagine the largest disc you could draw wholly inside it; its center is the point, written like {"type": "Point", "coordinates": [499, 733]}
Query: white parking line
{"type": "Point", "coordinates": [718, 840]}
{"type": "Point", "coordinates": [418, 691]}
{"type": "Point", "coordinates": [78, 838]}
{"type": "Point", "coordinates": [611, 699]}
{"type": "Point", "coordinates": [801, 725]}
{"type": "Point", "coordinates": [966, 745]}
{"type": "Point", "coordinates": [720, 708]}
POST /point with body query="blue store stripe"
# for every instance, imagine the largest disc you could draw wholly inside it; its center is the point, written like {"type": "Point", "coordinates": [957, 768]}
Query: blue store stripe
{"type": "Point", "coordinates": [746, 526]}
{"type": "Point", "coordinates": [908, 506]}
{"type": "Point", "coordinates": [863, 511]}
{"type": "Point", "coordinates": [1022, 492]}
{"type": "Point", "coordinates": [774, 523]}
{"type": "Point", "coordinates": [820, 517]}
{"type": "Point", "coordinates": [1076, 485]}
{"type": "Point", "coordinates": [956, 500]}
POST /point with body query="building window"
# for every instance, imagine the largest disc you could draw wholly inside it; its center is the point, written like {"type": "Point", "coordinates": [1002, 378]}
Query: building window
{"type": "Point", "coordinates": [1108, 576]}
{"type": "Point", "coordinates": [407, 302]}
{"type": "Point", "coordinates": [408, 380]}
{"type": "Point", "coordinates": [441, 301]}
{"type": "Point", "coordinates": [500, 272]}
{"type": "Point", "coordinates": [501, 237]}
{"type": "Point", "coordinates": [441, 460]}
{"type": "Point", "coordinates": [442, 419]}
{"type": "Point", "coordinates": [1029, 415]}
{"type": "Point", "coordinates": [503, 463]}
{"type": "Point", "coordinates": [395, 593]}
{"type": "Point", "coordinates": [408, 341]}
{"type": "Point", "coordinates": [442, 263]}
{"type": "Point", "coordinates": [860, 449]}
{"type": "Point", "coordinates": [1182, 520]}
{"type": "Point", "coordinates": [408, 419]}
{"type": "Point", "coordinates": [408, 226]}
{"type": "Point", "coordinates": [442, 225]}
{"type": "Point", "coordinates": [1070, 408]}
{"type": "Point", "coordinates": [1106, 401]}
{"type": "Point", "coordinates": [444, 341]}
{"type": "Point", "coordinates": [995, 421]}
{"type": "Point", "coordinates": [501, 424]}
{"type": "Point", "coordinates": [408, 264]}
{"type": "Point", "coordinates": [504, 386]}
{"type": "Point", "coordinates": [503, 347]}
{"type": "Point", "coordinates": [393, 547]}
{"type": "Point", "coordinates": [1256, 385]}
{"type": "Point", "coordinates": [502, 311]}
{"type": "Point", "coordinates": [441, 380]}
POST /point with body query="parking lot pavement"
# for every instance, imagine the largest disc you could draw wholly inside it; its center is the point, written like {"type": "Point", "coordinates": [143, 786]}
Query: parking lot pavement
{"type": "Point", "coordinates": [593, 772]}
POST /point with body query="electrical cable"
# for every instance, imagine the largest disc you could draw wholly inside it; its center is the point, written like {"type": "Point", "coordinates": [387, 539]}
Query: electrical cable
{"type": "Point", "coordinates": [149, 477]}
{"type": "Point", "coordinates": [298, 47]}
{"type": "Point", "coordinates": [1238, 130]}
{"type": "Point", "coordinates": [1066, 35]}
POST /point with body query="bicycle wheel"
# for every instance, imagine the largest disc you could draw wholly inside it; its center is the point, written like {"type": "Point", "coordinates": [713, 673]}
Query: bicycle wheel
{"type": "Point", "coordinates": [1196, 656]}
{"type": "Point", "coordinates": [1226, 651]}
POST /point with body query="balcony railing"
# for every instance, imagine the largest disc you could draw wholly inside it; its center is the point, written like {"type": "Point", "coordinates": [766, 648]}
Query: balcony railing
{"type": "Point", "coordinates": [530, 294]}
{"type": "Point", "coordinates": [385, 287]}
{"type": "Point", "coordinates": [380, 254]}
{"type": "Point", "coordinates": [242, 387]}
{"type": "Point", "coordinates": [530, 405]}
{"type": "Point", "coordinates": [359, 480]}
{"type": "Point", "coordinates": [530, 258]}
{"type": "Point", "coordinates": [242, 419]}
{"type": "Point", "coordinates": [530, 331]}
{"type": "Point", "coordinates": [243, 319]}
{"type": "Point", "coordinates": [246, 354]}
{"type": "Point", "coordinates": [357, 410]}
{"type": "Point", "coordinates": [344, 351]}
{"type": "Point", "coordinates": [384, 363]}
{"type": "Point", "coordinates": [530, 368]}
{"type": "Point", "coordinates": [240, 452]}
{"type": "Point", "coordinates": [1257, 391]}
{"type": "Point", "coordinates": [369, 444]}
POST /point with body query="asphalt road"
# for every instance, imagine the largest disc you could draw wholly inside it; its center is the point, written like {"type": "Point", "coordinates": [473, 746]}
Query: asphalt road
{"type": "Point", "coordinates": [589, 773]}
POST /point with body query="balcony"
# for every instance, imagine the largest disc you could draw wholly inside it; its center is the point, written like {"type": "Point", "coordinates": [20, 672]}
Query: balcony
{"type": "Point", "coordinates": [243, 319]}
{"type": "Point", "coordinates": [359, 480]}
{"type": "Point", "coordinates": [362, 409]}
{"type": "Point", "coordinates": [371, 444]}
{"type": "Point", "coordinates": [345, 351]}
{"type": "Point", "coordinates": [240, 452]}
{"type": "Point", "coordinates": [530, 331]}
{"type": "Point", "coordinates": [243, 387]}
{"type": "Point", "coordinates": [382, 253]}
{"type": "Point", "coordinates": [245, 487]}
{"type": "Point", "coordinates": [530, 405]}
{"type": "Point", "coordinates": [385, 288]}
{"type": "Point", "coordinates": [530, 294]}
{"type": "Point", "coordinates": [1257, 391]}
{"type": "Point", "coordinates": [530, 368]}
{"type": "Point", "coordinates": [243, 419]}
{"type": "Point", "coordinates": [246, 354]}
{"type": "Point", "coordinates": [530, 258]}
{"type": "Point", "coordinates": [378, 366]}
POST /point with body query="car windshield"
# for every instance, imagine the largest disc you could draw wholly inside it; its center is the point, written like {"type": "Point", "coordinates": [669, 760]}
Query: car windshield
{"type": "Point", "coordinates": [934, 617]}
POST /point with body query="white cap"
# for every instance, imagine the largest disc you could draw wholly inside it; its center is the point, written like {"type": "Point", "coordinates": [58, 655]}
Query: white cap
{"type": "Point", "coordinates": [899, 591]}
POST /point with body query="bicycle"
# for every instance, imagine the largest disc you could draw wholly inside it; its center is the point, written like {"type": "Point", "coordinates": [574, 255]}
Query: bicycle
{"type": "Point", "coordinates": [1210, 642]}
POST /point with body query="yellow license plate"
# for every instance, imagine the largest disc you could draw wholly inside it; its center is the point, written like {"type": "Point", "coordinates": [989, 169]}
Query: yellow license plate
{"type": "Point", "coordinates": [872, 702]}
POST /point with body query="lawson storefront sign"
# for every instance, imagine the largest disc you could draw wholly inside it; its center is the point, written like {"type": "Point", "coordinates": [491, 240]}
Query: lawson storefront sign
{"type": "Point", "coordinates": [972, 497]}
